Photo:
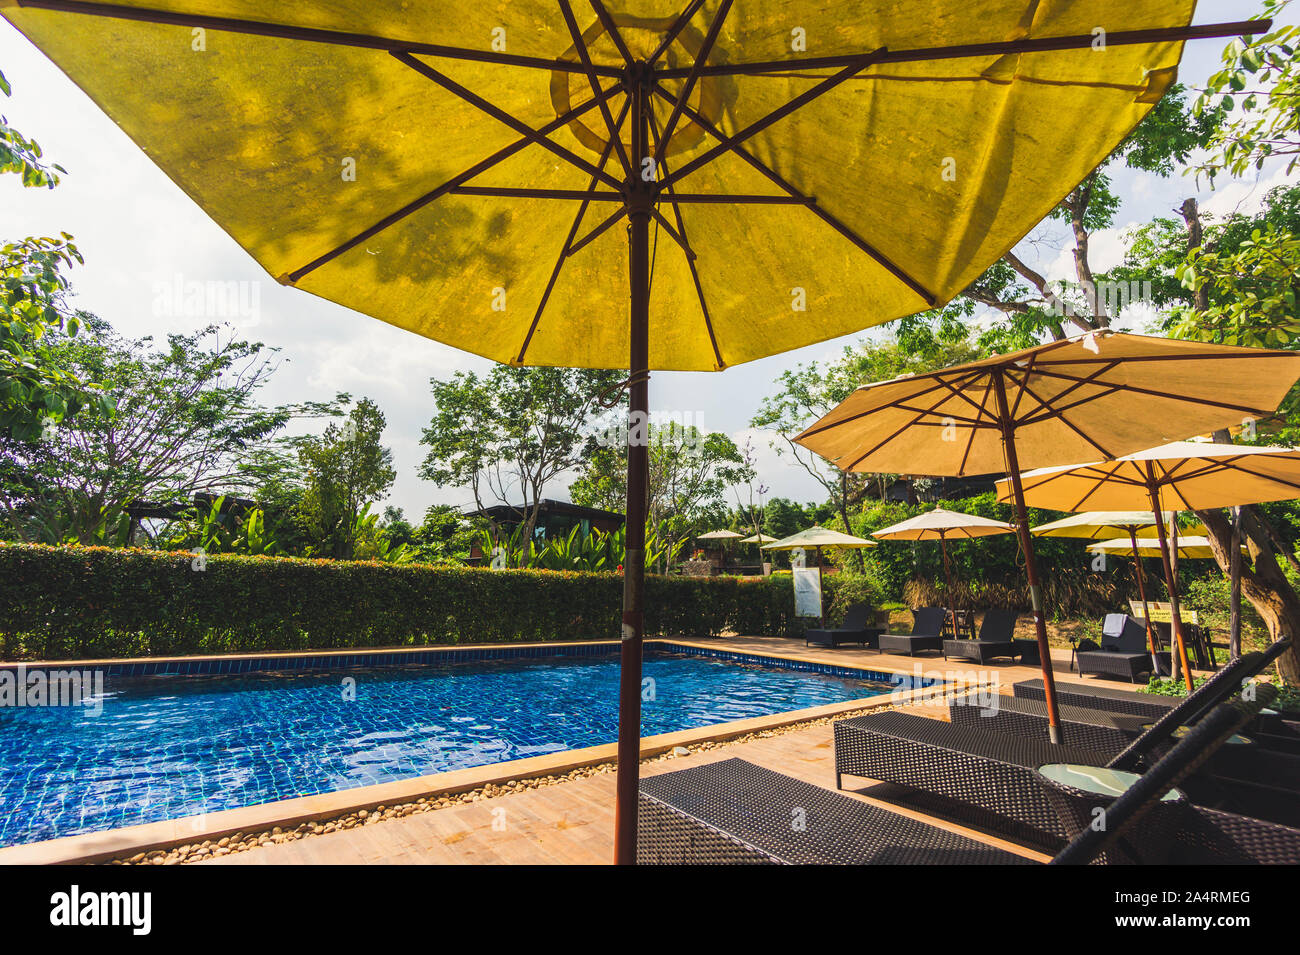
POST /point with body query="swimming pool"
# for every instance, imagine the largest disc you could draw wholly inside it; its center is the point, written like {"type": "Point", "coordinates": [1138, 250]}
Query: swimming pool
{"type": "Point", "coordinates": [164, 747]}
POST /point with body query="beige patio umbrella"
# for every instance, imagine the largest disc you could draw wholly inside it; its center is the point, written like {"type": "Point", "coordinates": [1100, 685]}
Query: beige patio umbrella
{"type": "Point", "coordinates": [1099, 395]}
{"type": "Point", "coordinates": [718, 536]}
{"type": "Point", "coordinates": [758, 539]}
{"type": "Point", "coordinates": [1196, 547]}
{"type": "Point", "coordinates": [1184, 475]}
{"type": "Point", "coordinates": [818, 538]}
{"type": "Point", "coordinates": [944, 525]}
{"type": "Point", "coordinates": [1104, 525]}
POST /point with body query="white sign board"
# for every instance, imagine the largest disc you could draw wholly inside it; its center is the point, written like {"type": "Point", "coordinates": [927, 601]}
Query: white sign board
{"type": "Point", "coordinates": [807, 592]}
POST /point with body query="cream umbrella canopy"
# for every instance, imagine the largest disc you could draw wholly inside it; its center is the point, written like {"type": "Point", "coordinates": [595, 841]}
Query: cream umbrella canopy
{"type": "Point", "coordinates": [1102, 394]}
{"type": "Point", "coordinates": [758, 539]}
{"type": "Point", "coordinates": [1183, 475]}
{"type": "Point", "coordinates": [818, 538]}
{"type": "Point", "coordinates": [458, 170]}
{"type": "Point", "coordinates": [944, 525]}
{"type": "Point", "coordinates": [1103, 525]}
{"type": "Point", "coordinates": [1195, 547]}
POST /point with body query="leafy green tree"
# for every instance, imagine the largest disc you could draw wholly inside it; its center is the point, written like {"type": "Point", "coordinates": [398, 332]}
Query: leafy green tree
{"type": "Point", "coordinates": [508, 434]}
{"type": "Point", "coordinates": [1259, 89]}
{"type": "Point", "coordinates": [186, 419]}
{"type": "Point", "coordinates": [345, 470]}
{"type": "Point", "coordinates": [35, 392]}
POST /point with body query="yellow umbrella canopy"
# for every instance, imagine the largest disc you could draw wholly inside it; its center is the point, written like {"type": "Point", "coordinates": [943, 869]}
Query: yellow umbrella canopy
{"type": "Point", "coordinates": [1185, 475]}
{"type": "Point", "coordinates": [941, 524]}
{"type": "Point", "coordinates": [818, 537]}
{"type": "Point", "coordinates": [1196, 547]}
{"type": "Point", "coordinates": [446, 167]}
{"type": "Point", "coordinates": [1101, 395]}
{"type": "Point", "coordinates": [1101, 525]}
{"type": "Point", "coordinates": [458, 170]}
{"type": "Point", "coordinates": [944, 525]}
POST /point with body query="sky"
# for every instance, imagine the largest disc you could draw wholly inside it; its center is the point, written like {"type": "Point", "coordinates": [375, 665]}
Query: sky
{"type": "Point", "coordinates": [141, 236]}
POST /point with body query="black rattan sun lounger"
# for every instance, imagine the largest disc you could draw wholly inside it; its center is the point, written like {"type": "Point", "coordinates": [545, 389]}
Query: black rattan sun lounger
{"type": "Point", "coordinates": [989, 776]}
{"type": "Point", "coordinates": [1123, 650]}
{"type": "Point", "coordinates": [855, 629]}
{"type": "Point", "coordinates": [994, 640]}
{"type": "Point", "coordinates": [927, 633]}
{"type": "Point", "coordinates": [1106, 730]}
{"type": "Point", "coordinates": [1099, 696]}
{"type": "Point", "coordinates": [735, 813]}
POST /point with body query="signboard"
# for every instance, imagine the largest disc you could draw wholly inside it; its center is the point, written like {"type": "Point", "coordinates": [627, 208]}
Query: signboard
{"type": "Point", "coordinates": [807, 592]}
{"type": "Point", "coordinates": [1160, 612]}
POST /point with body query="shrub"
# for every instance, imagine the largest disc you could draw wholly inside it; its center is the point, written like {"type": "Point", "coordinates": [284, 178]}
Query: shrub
{"type": "Point", "coordinates": [84, 602]}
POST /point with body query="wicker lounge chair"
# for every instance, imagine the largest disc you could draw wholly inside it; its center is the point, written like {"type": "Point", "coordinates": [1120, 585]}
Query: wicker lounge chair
{"type": "Point", "coordinates": [994, 639]}
{"type": "Point", "coordinates": [986, 777]}
{"type": "Point", "coordinates": [733, 812]}
{"type": "Point", "coordinates": [856, 628]}
{"type": "Point", "coordinates": [1249, 776]}
{"type": "Point", "coordinates": [927, 633]}
{"type": "Point", "coordinates": [1123, 650]}
{"type": "Point", "coordinates": [1099, 696]}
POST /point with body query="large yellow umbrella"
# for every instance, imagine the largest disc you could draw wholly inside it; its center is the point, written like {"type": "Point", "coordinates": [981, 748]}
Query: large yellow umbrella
{"type": "Point", "coordinates": [944, 525]}
{"type": "Point", "coordinates": [789, 172]}
{"type": "Point", "coordinates": [1104, 525]}
{"type": "Point", "coordinates": [1101, 393]}
{"type": "Point", "coordinates": [820, 538]}
{"type": "Point", "coordinates": [1183, 475]}
{"type": "Point", "coordinates": [1196, 547]}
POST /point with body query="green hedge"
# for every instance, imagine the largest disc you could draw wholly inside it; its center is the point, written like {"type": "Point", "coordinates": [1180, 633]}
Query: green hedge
{"type": "Point", "coordinates": [80, 602]}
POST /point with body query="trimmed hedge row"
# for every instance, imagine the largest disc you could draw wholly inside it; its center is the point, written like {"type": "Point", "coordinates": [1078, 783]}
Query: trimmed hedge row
{"type": "Point", "coordinates": [89, 602]}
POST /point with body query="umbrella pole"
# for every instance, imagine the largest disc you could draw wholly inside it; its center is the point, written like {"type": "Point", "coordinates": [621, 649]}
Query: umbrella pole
{"type": "Point", "coordinates": [1031, 566]}
{"type": "Point", "coordinates": [1142, 592]}
{"type": "Point", "coordinates": [821, 597]}
{"type": "Point", "coordinates": [638, 479]}
{"type": "Point", "coordinates": [1175, 621]}
{"type": "Point", "coordinates": [1234, 570]}
{"type": "Point", "coordinates": [947, 578]}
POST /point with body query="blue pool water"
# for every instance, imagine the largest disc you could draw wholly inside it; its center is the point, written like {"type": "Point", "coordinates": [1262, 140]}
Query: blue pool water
{"type": "Point", "coordinates": [167, 747]}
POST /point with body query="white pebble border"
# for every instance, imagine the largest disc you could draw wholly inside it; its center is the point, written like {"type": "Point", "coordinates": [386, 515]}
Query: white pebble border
{"type": "Point", "coordinates": [243, 841]}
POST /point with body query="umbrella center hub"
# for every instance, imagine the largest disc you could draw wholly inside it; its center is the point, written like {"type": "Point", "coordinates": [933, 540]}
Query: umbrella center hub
{"type": "Point", "coordinates": [642, 36]}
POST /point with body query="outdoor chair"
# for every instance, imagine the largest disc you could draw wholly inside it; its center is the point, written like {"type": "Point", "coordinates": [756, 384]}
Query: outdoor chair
{"type": "Point", "coordinates": [1123, 650]}
{"type": "Point", "coordinates": [857, 628]}
{"type": "Point", "coordinates": [994, 639]}
{"type": "Point", "coordinates": [927, 633]}
{"type": "Point", "coordinates": [984, 777]}
{"type": "Point", "coordinates": [733, 812]}
{"type": "Point", "coordinates": [1253, 776]}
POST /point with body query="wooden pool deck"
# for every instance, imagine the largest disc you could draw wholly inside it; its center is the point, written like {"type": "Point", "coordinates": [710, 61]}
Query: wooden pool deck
{"type": "Point", "coordinates": [573, 822]}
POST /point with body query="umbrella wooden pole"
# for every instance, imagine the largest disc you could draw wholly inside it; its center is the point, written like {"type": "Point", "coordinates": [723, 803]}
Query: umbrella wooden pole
{"type": "Point", "coordinates": [1142, 592]}
{"type": "Point", "coordinates": [1175, 621]}
{"type": "Point", "coordinates": [1031, 566]}
{"type": "Point", "coordinates": [947, 579]}
{"type": "Point", "coordinates": [1234, 572]}
{"type": "Point", "coordinates": [638, 478]}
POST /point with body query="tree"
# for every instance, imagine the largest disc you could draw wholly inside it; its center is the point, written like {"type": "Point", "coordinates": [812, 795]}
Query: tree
{"type": "Point", "coordinates": [35, 392]}
{"type": "Point", "coordinates": [508, 434]}
{"type": "Point", "coordinates": [1259, 88]}
{"type": "Point", "coordinates": [345, 470]}
{"type": "Point", "coordinates": [186, 419]}
{"type": "Point", "coordinates": [807, 392]}
{"type": "Point", "coordinates": [689, 475]}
